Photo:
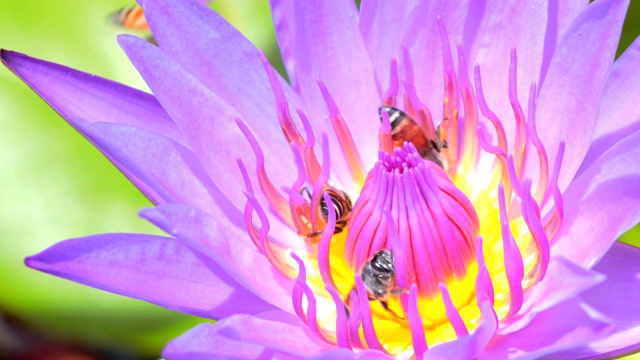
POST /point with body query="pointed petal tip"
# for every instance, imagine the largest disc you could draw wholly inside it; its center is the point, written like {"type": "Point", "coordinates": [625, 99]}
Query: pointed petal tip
{"type": "Point", "coordinates": [10, 57]}
{"type": "Point", "coordinates": [32, 261]}
{"type": "Point", "coordinates": [4, 56]}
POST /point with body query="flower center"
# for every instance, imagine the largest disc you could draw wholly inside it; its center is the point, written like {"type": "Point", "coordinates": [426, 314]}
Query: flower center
{"type": "Point", "coordinates": [409, 265]}
{"type": "Point", "coordinates": [436, 222]}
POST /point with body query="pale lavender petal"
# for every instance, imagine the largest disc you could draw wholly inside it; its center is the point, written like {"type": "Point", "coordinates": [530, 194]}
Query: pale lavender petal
{"type": "Point", "coordinates": [422, 39]}
{"type": "Point", "coordinates": [601, 204]}
{"type": "Point", "coordinates": [619, 106]}
{"type": "Point", "coordinates": [564, 280]}
{"type": "Point", "coordinates": [326, 44]}
{"type": "Point", "coordinates": [156, 269]}
{"type": "Point", "coordinates": [223, 60]}
{"type": "Point", "coordinates": [204, 342]}
{"type": "Point", "coordinates": [344, 354]}
{"type": "Point", "coordinates": [619, 113]}
{"type": "Point", "coordinates": [382, 25]}
{"type": "Point", "coordinates": [246, 337]}
{"type": "Point", "coordinates": [503, 27]}
{"type": "Point", "coordinates": [165, 166]}
{"type": "Point", "coordinates": [227, 247]}
{"type": "Point", "coordinates": [569, 98]}
{"type": "Point", "coordinates": [207, 121]}
{"type": "Point", "coordinates": [533, 30]}
{"type": "Point", "coordinates": [616, 298]}
{"type": "Point", "coordinates": [561, 15]}
{"type": "Point", "coordinates": [470, 346]}
{"type": "Point", "coordinates": [284, 26]}
{"type": "Point", "coordinates": [565, 326]}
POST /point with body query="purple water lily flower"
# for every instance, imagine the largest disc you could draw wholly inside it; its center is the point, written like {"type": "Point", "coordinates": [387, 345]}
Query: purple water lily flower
{"type": "Point", "coordinates": [450, 183]}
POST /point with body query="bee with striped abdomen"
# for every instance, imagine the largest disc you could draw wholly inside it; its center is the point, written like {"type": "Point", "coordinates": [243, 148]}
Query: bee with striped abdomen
{"type": "Point", "coordinates": [404, 128]}
{"type": "Point", "coordinates": [342, 206]}
{"type": "Point", "coordinates": [130, 17]}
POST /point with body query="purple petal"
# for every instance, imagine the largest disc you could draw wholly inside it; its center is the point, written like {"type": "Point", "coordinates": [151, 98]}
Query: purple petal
{"type": "Point", "coordinates": [422, 39]}
{"type": "Point", "coordinates": [165, 166]}
{"type": "Point", "coordinates": [284, 24]}
{"type": "Point", "coordinates": [245, 337]}
{"type": "Point", "coordinates": [226, 246]}
{"type": "Point", "coordinates": [344, 354]}
{"type": "Point", "coordinates": [565, 326]}
{"type": "Point", "coordinates": [616, 298]}
{"type": "Point", "coordinates": [619, 112]}
{"type": "Point", "coordinates": [573, 86]}
{"type": "Point", "coordinates": [468, 347]}
{"type": "Point", "coordinates": [204, 342]}
{"type": "Point", "coordinates": [156, 269]}
{"type": "Point", "coordinates": [601, 204]}
{"type": "Point", "coordinates": [323, 40]}
{"type": "Point", "coordinates": [222, 59]}
{"type": "Point", "coordinates": [533, 30]}
{"type": "Point", "coordinates": [207, 121]}
{"type": "Point", "coordinates": [382, 25]}
{"type": "Point", "coordinates": [78, 95]}
{"type": "Point", "coordinates": [564, 280]}
{"type": "Point", "coordinates": [618, 107]}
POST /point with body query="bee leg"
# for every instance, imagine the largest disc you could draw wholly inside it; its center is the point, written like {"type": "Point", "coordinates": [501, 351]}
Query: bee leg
{"type": "Point", "coordinates": [314, 234]}
{"type": "Point", "coordinates": [398, 291]}
{"type": "Point", "coordinates": [305, 191]}
{"type": "Point", "coordinates": [347, 303]}
{"type": "Point", "coordinates": [385, 305]}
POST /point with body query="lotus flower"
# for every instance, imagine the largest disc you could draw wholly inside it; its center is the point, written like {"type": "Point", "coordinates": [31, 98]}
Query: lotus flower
{"type": "Point", "coordinates": [438, 179]}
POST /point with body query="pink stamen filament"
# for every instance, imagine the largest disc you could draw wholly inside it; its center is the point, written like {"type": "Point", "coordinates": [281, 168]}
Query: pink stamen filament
{"type": "Point", "coordinates": [342, 321]}
{"type": "Point", "coordinates": [301, 289]}
{"type": "Point", "coordinates": [345, 139]}
{"type": "Point", "coordinates": [452, 312]}
{"type": "Point", "coordinates": [520, 142]}
{"type": "Point", "coordinates": [470, 144]}
{"type": "Point", "coordinates": [512, 258]}
{"type": "Point", "coordinates": [288, 127]}
{"type": "Point", "coordinates": [324, 264]}
{"type": "Point", "coordinates": [532, 135]}
{"type": "Point", "coordinates": [418, 338]}
{"type": "Point", "coordinates": [450, 111]}
{"type": "Point", "coordinates": [531, 215]}
{"type": "Point", "coordinates": [555, 220]}
{"type": "Point", "coordinates": [354, 320]}
{"type": "Point", "coordinates": [484, 286]}
{"type": "Point", "coordinates": [384, 134]}
{"type": "Point", "coordinates": [365, 317]}
{"type": "Point", "coordinates": [319, 185]}
{"type": "Point", "coordinates": [390, 96]}
{"type": "Point", "coordinates": [413, 105]}
{"type": "Point", "coordinates": [310, 160]}
{"type": "Point", "coordinates": [275, 199]}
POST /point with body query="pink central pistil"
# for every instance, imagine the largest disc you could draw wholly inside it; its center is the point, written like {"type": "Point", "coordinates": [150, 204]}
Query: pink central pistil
{"type": "Point", "coordinates": [437, 225]}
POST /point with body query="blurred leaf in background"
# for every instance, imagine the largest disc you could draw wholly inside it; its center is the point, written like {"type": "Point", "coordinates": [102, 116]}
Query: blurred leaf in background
{"type": "Point", "coordinates": [54, 185]}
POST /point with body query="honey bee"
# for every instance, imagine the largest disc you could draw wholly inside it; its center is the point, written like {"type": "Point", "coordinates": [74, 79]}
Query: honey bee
{"type": "Point", "coordinates": [379, 278]}
{"type": "Point", "coordinates": [130, 17]}
{"type": "Point", "coordinates": [342, 206]}
{"type": "Point", "coordinates": [404, 128]}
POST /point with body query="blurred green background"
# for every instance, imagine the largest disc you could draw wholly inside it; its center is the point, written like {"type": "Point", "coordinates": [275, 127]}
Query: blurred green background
{"type": "Point", "coordinates": [54, 185]}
